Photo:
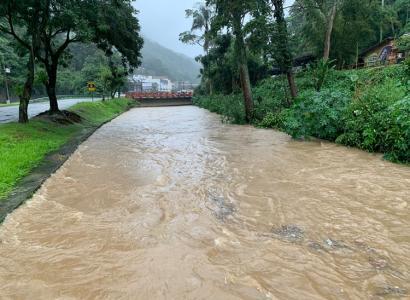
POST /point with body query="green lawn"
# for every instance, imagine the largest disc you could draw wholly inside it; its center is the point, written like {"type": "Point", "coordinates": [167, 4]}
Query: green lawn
{"type": "Point", "coordinates": [22, 147]}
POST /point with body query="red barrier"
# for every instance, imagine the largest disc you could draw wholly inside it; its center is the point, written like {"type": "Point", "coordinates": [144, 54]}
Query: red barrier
{"type": "Point", "coordinates": [159, 95]}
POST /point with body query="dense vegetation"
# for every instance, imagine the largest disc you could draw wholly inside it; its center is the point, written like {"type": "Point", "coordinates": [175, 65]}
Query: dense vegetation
{"type": "Point", "coordinates": [368, 109]}
{"type": "Point", "coordinates": [23, 146]}
{"type": "Point", "coordinates": [43, 33]}
{"type": "Point", "coordinates": [88, 63]}
{"type": "Point", "coordinates": [158, 60]}
{"type": "Point", "coordinates": [310, 93]}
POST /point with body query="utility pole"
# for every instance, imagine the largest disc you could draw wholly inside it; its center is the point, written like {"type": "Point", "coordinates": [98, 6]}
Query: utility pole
{"type": "Point", "coordinates": [3, 69]}
{"type": "Point", "coordinates": [6, 72]}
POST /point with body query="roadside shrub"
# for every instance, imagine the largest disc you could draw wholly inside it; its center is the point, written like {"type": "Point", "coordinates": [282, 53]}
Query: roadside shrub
{"type": "Point", "coordinates": [231, 107]}
{"type": "Point", "coordinates": [407, 66]}
{"type": "Point", "coordinates": [375, 76]}
{"type": "Point", "coordinates": [269, 97]}
{"type": "Point", "coordinates": [320, 72]}
{"type": "Point", "coordinates": [304, 80]}
{"type": "Point", "coordinates": [369, 118]}
{"type": "Point", "coordinates": [271, 120]}
{"type": "Point", "coordinates": [318, 114]}
{"type": "Point", "coordinates": [403, 43]}
{"type": "Point", "coordinates": [398, 133]}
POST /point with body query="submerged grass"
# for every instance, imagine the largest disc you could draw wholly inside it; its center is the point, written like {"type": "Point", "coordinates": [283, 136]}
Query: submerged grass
{"type": "Point", "coordinates": [24, 146]}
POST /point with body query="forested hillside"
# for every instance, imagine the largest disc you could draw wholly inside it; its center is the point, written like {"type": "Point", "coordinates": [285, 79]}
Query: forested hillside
{"type": "Point", "coordinates": [158, 60]}
{"type": "Point", "coordinates": [85, 62]}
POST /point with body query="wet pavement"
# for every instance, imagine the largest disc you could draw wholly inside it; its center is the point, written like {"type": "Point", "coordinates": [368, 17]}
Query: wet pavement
{"type": "Point", "coordinates": [11, 113]}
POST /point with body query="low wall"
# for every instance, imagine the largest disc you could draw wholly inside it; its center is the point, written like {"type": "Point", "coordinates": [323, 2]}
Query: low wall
{"type": "Point", "coordinates": [164, 102]}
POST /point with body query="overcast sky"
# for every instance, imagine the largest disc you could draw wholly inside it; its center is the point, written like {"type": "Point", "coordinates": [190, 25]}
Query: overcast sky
{"type": "Point", "coordinates": [163, 20]}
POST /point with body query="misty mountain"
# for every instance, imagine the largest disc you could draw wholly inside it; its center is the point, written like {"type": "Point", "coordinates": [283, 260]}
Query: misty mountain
{"type": "Point", "coordinates": [160, 61]}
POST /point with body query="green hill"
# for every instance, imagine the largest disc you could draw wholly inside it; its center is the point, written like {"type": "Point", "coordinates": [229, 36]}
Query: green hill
{"type": "Point", "coordinates": [160, 61]}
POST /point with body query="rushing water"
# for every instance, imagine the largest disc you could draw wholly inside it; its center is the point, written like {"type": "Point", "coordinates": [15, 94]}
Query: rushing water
{"type": "Point", "coordinates": [169, 203]}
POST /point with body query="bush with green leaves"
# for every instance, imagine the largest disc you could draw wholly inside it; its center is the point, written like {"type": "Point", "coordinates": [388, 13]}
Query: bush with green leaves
{"type": "Point", "coordinates": [371, 117]}
{"type": "Point", "coordinates": [398, 134]}
{"type": "Point", "coordinates": [231, 107]}
{"type": "Point", "coordinates": [407, 67]}
{"type": "Point", "coordinates": [318, 114]}
{"type": "Point", "coordinates": [403, 43]}
{"type": "Point", "coordinates": [320, 72]}
{"type": "Point", "coordinates": [272, 120]}
{"type": "Point", "coordinates": [270, 97]}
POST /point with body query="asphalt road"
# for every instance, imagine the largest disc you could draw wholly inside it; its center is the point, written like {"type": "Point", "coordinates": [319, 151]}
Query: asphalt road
{"type": "Point", "coordinates": [11, 113]}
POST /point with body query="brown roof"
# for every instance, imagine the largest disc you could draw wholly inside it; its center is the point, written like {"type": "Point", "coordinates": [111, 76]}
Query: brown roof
{"type": "Point", "coordinates": [374, 47]}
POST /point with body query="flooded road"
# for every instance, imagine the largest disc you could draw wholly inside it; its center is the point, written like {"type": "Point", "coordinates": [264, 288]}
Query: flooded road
{"type": "Point", "coordinates": [169, 203]}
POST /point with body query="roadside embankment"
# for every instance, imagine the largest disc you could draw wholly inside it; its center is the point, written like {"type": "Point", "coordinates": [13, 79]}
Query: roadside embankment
{"type": "Point", "coordinates": [368, 109]}
{"type": "Point", "coordinates": [30, 153]}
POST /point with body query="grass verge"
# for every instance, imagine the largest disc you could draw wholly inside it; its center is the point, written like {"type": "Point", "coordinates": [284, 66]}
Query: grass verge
{"type": "Point", "coordinates": [24, 146]}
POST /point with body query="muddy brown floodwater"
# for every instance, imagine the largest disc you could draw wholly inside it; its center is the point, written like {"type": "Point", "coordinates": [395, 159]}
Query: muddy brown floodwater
{"type": "Point", "coordinates": [169, 203]}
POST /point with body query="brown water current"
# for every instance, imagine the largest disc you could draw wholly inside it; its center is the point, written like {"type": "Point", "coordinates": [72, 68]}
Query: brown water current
{"type": "Point", "coordinates": [169, 203]}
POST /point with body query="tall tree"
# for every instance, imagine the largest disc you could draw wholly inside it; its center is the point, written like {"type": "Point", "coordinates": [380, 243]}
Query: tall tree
{"type": "Point", "coordinates": [231, 14]}
{"type": "Point", "coordinates": [22, 20]}
{"type": "Point", "coordinates": [201, 21]}
{"type": "Point", "coordinates": [283, 49]}
{"type": "Point", "coordinates": [269, 28]}
{"type": "Point", "coordinates": [402, 7]}
{"type": "Point", "coordinates": [107, 23]}
{"type": "Point", "coordinates": [320, 14]}
{"type": "Point", "coordinates": [330, 20]}
{"type": "Point", "coordinates": [61, 20]}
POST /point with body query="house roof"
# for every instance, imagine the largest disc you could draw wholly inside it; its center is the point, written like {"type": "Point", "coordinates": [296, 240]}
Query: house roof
{"type": "Point", "coordinates": [303, 59]}
{"type": "Point", "coordinates": [374, 47]}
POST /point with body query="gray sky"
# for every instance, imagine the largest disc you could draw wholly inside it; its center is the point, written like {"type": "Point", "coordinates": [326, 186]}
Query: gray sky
{"type": "Point", "coordinates": [163, 20]}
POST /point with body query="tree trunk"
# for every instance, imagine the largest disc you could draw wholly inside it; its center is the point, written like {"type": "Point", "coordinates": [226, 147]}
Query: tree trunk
{"type": "Point", "coordinates": [246, 90]}
{"type": "Point", "coordinates": [208, 67]}
{"type": "Point", "coordinates": [210, 87]}
{"type": "Point", "coordinates": [25, 96]}
{"type": "Point", "coordinates": [381, 24]}
{"type": "Point", "coordinates": [242, 58]}
{"type": "Point", "coordinates": [329, 30]}
{"type": "Point", "coordinates": [292, 84]}
{"type": "Point", "coordinates": [51, 87]}
{"type": "Point", "coordinates": [286, 60]}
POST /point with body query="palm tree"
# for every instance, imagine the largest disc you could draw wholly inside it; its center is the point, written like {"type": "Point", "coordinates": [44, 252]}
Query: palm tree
{"type": "Point", "coordinates": [201, 22]}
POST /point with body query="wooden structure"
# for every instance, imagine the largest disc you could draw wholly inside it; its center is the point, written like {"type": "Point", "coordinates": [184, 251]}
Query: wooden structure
{"type": "Point", "coordinates": [384, 53]}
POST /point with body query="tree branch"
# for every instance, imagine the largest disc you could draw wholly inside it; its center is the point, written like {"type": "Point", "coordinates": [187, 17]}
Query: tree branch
{"type": "Point", "coordinates": [12, 31]}
{"type": "Point", "coordinates": [62, 48]}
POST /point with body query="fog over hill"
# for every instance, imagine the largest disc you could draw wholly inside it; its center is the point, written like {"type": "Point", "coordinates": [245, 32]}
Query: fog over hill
{"type": "Point", "coordinates": [161, 61]}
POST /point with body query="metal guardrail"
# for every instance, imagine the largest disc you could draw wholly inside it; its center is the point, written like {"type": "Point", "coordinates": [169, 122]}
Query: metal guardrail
{"type": "Point", "coordinates": [159, 95]}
